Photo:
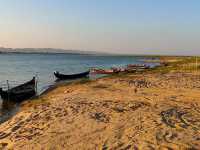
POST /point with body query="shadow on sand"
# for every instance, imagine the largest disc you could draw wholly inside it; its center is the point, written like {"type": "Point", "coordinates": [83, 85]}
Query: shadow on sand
{"type": "Point", "coordinates": [7, 110]}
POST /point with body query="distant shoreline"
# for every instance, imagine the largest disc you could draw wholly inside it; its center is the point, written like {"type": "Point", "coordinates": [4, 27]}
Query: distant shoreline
{"type": "Point", "coordinates": [4, 50]}
{"type": "Point", "coordinates": [98, 54]}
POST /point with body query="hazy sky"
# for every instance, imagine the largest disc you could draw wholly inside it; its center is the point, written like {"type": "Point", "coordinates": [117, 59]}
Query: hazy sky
{"type": "Point", "coordinates": [122, 26]}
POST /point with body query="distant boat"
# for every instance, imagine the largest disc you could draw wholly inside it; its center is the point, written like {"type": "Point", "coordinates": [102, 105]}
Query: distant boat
{"type": "Point", "coordinates": [115, 70]}
{"type": "Point", "coordinates": [71, 76]}
{"type": "Point", "coordinates": [138, 66]}
{"type": "Point", "coordinates": [20, 93]}
{"type": "Point", "coordinates": [104, 71]}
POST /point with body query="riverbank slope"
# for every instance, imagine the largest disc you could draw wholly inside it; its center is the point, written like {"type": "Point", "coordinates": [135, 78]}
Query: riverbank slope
{"type": "Point", "coordinates": [155, 109]}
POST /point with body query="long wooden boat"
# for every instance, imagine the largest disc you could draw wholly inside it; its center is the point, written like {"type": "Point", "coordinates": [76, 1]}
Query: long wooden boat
{"type": "Point", "coordinates": [71, 76]}
{"type": "Point", "coordinates": [20, 93]}
{"type": "Point", "coordinates": [138, 66]}
{"type": "Point", "coordinates": [104, 71]}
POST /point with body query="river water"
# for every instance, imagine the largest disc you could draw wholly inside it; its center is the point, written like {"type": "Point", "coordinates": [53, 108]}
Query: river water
{"type": "Point", "coordinates": [19, 68]}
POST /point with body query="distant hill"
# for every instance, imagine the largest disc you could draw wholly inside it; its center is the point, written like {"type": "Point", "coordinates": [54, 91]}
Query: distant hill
{"type": "Point", "coordinates": [44, 50]}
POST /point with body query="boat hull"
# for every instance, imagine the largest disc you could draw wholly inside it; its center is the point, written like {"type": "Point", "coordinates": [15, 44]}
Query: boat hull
{"type": "Point", "coordinates": [72, 76]}
{"type": "Point", "coordinates": [19, 93]}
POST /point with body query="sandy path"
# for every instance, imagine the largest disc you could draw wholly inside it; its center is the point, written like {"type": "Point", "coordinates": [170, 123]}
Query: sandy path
{"type": "Point", "coordinates": [152, 111]}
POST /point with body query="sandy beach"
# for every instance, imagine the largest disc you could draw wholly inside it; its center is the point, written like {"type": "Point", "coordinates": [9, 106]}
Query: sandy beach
{"type": "Point", "coordinates": [147, 110]}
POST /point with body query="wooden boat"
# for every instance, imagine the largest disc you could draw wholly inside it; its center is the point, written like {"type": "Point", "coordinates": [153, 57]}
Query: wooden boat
{"type": "Point", "coordinates": [105, 71]}
{"type": "Point", "coordinates": [20, 93]}
{"type": "Point", "coordinates": [72, 76]}
{"type": "Point", "coordinates": [138, 66]}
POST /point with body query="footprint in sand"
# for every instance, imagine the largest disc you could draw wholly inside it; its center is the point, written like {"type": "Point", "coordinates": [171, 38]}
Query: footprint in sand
{"type": "Point", "coordinates": [100, 117]}
{"type": "Point", "coordinates": [179, 118]}
{"type": "Point", "coordinates": [173, 118]}
{"type": "Point", "coordinates": [6, 144]}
